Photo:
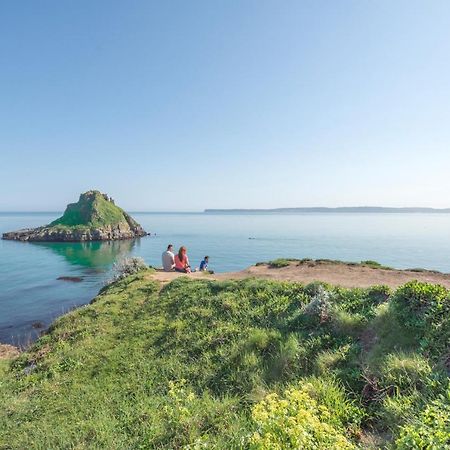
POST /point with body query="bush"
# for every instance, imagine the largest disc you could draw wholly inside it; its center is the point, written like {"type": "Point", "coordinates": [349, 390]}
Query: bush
{"type": "Point", "coordinates": [279, 263]}
{"type": "Point", "coordinates": [429, 431]}
{"type": "Point", "coordinates": [125, 267]}
{"type": "Point", "coordinates": [298, 420]}
{"type": "Point", "coordinates": [361, 301]}
{"type": "Point", "coordinates": [316, 288]}
{"type": "Point", "coordinates": [320, 306]}
{"type": "Point", "coordinates": [404, 373]}
{"type": "Point", "coordinates": [190, 421]}
{"type": "Point", "coordinates": [378, 294]}
{"type": "Point", "coordinates": [329, 392]}
{"type": "Point", "coordinates": [397, 410]}
{"type": "Point", "coordinates": [425, 308]}
{"type": "Point", "coordinates": [347, 324]}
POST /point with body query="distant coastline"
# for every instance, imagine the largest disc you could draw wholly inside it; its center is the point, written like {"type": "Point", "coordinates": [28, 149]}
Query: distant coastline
{"type": "Point", "coordinates": [313, 209]}
{"type": "Point", "coordinates": [344, 209]}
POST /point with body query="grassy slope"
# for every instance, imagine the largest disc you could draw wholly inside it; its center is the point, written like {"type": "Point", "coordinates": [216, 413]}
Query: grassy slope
{"type": "Point", "coordinates": [92, 212]}
{"type": "Point", "coordinates": [144, 368]}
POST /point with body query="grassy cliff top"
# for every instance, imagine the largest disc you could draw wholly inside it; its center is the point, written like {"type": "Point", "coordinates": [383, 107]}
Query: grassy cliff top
{"type": "Point", "coordinates": [93, 209]}
{"type": "Point", "coordinates": [248, 364]}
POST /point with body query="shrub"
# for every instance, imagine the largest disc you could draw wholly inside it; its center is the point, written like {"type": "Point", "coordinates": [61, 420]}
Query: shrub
{"type": "Point", "coordinates": [329, 392]}
{"type": "Point", "coordinates": [327, 360]}
{"type": "Point", "coordinates": [425, 308]}
{"type": "Point", "coordinates": [361, 301]}
{"type": "Point", "coordinates": [404, 372]}
{"type": "Point", "coordinates": [125, 267]}
{"type": "Point", "coordinates": [190, 421]}
{"type": "Point", "coordinates": [375, 265]}
{"type": "Point", "coordinates": [296, 420]}
{"type": "Point", "coordinates": [316, 288]}
{"type": "Point", "coordinates": [320, 306]}
{"type": "Point", "coordinates": [429, 431]}
{"type": "Point", "coordinates": [279, 263]}
{"type": "Point", "coordinates": [378, 294]}
{"type": "Point", "coordinates": [285, 359]}
{"type": "Point", "coordinates": [347, 324]}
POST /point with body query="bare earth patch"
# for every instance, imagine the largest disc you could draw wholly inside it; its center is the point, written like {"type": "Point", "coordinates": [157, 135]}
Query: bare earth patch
{"type": "Point", "coordinates": [8, 351]}
{"type": "Point", "coordinates": [336, 273]}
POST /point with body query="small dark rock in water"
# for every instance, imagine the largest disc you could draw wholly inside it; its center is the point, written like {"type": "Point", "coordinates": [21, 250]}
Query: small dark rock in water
{"type": "Point", "coordinates": [73, 279]}
{"type": "Point", "coordinates": [37, 325]}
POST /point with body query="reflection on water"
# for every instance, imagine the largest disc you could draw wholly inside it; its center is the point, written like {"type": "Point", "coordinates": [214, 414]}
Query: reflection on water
{"type": "Point", "coordinates": [39, 285]}
{"type": "Point", "coordinates": [95, 254]}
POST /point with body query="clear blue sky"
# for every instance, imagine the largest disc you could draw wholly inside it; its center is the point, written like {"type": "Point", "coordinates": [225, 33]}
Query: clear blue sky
{"type": "Point", "coordinates": [186, 105]}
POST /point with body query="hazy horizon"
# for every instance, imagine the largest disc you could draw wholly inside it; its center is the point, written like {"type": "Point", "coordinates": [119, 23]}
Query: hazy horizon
{"type": "Point", "coordinates": [259, 104]}
{"type": "Point", "coordinates": [205, 210]}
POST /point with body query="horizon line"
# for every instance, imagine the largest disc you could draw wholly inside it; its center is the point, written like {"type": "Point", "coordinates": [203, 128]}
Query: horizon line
{"type": "Point", "coordinates": [276, 209]}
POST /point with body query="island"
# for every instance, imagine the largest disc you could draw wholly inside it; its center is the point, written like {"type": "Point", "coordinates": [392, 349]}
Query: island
{"type": "Point", "coordinates": [94, 217]}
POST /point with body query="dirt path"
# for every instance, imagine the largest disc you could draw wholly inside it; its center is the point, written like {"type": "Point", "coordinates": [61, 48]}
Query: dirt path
{"type": "Point", "coordinates": [339, 274]}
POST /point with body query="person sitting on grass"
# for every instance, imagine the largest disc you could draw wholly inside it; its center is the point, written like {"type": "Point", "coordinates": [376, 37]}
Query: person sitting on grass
{"type": "Point", "coordinates": [182, 261]}
{"type": "Point", "coordinates": [204, 264]}
{"type": "Point", "coordinates": [168, 259]}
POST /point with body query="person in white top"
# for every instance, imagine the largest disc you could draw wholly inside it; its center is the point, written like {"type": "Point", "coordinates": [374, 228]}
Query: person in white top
{"type": "Point", "coordinates": [168, 259]}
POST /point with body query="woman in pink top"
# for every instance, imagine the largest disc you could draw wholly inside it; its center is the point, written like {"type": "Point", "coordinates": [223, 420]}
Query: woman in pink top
{"type": "Point", "coordinates": [182, 261]}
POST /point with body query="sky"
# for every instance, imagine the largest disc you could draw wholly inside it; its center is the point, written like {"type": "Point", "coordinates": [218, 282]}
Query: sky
{"type": "Point", "coordinates": [181, 106]}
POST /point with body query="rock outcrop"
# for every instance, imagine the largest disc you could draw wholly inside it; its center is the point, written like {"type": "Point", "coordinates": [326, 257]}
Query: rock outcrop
{"type": "Point", "coordinates": [94, 217]}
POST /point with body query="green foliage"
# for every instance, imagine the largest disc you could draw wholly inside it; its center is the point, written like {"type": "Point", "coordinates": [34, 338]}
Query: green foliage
{"type": "Point", "coordinates": [404, 372]}
{"type": "Point", "coordinates": [92, 210]}
{"type": "Point", "coordinates": [361, 301]}
{"type": "Point", "coordinates": [232, 364]}
{"type": "Point", "coordinates": [425, 308]}
{"type": "Point", "coordinates": [386, 334]}
{"type": "Point", "coordinates": [430, 430]}
{"type": "Point", "coordinates": [348, 324]}
{"type": "Point", "coordinates": [125, 267]}
{"type": "Point", "coordinates": [280, 262]}
{"type": "Point", "coordinates": [317, 288]}
{"type": "Point", "coordinates": [375, 265]}
{"type": "Point", "coordinates": [304, 417]}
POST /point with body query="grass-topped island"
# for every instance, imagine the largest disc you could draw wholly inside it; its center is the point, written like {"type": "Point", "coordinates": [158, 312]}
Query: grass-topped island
{"type": "Point", "coordinates": [94, 217]}
{"type": "Point", "coordinates": [244, 363]}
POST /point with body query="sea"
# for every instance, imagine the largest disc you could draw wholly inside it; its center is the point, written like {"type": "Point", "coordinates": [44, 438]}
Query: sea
{"type": "Point", "coordinates": [32, 296]}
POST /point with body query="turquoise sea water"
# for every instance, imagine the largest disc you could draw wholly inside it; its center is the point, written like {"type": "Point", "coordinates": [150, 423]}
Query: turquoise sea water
{"type": "Point", "coordinates": [30, 293]}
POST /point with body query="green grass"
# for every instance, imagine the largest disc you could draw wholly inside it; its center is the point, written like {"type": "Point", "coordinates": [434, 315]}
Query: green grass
{"type": "Point", "coordinates": [91, 211]}
{"type": "Point", "coordinates": [207, 364]}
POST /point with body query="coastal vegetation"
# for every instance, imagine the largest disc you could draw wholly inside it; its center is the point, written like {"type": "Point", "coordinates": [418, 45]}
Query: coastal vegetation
{"type": "Point", "coordinates": [286, 262]}
{"type": "Point", "coordinates": [252, 363]}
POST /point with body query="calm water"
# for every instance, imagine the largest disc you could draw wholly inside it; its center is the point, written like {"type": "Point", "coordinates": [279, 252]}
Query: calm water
{"type": "Point", "coordinates": [31, 294]}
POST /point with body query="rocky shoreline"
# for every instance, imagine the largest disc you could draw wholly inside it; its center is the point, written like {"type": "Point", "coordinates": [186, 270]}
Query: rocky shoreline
{"type": "Point", "coordinates": [77, 234]}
